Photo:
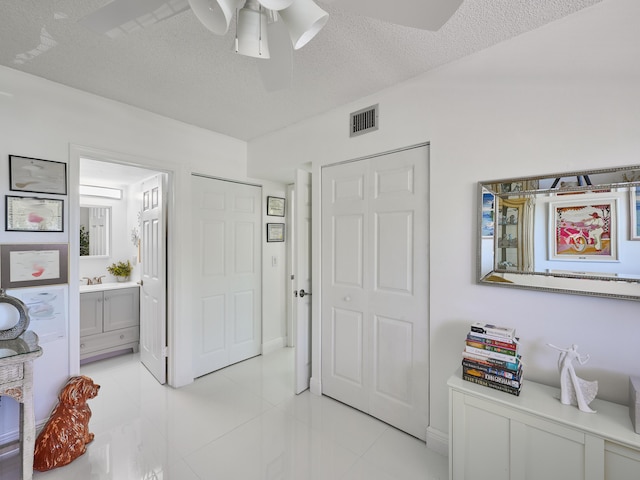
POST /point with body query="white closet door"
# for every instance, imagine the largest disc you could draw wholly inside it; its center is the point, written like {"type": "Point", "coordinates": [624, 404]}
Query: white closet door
{"type": "Point", "coordinates": [227, 296]}
{"type": "Point", "coordinates": [375, 287]}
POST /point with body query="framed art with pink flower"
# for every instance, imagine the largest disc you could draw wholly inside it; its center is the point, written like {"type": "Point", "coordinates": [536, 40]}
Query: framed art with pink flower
{"type": "Point", "coordinates": [31, 214]}
{"type": "Point", "coordinates": [584, 231]}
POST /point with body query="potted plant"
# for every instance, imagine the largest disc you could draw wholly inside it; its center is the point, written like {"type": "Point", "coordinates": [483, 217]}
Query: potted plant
{"type": "Point", "coordinates": [120, 270]}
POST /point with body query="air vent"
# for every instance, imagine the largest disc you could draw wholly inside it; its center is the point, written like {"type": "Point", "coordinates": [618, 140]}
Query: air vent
{"type": "Point", "coordinates": [364, 121]}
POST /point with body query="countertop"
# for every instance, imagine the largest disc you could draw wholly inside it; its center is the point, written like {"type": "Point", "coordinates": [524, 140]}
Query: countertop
{"type": "Point", "coordinates": [107, 286]}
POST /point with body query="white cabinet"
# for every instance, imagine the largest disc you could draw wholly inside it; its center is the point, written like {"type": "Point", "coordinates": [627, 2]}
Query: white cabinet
{"type": "Point", "coordinates": [109, 321]}
{"type": "Point", "coordinates": [495, 435]}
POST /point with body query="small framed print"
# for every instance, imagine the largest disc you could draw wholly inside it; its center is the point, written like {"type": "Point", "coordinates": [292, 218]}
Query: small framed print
{"type": "Point", "coordinates": [275, 206]}
{"type": "Point", "coordinates": [275, 232]}
{"type": "Point", "coordinates": [37, 176]}
{"type": "Point", "coordinates": [29, 265]}
{"type": "Point", "coordinates": [31, 214]}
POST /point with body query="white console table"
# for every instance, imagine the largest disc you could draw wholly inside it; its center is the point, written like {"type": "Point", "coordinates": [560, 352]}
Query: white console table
{"type": "Point", "coordinates": [16, 381]}
{"type": "Point", "coordinates": [494, 435]}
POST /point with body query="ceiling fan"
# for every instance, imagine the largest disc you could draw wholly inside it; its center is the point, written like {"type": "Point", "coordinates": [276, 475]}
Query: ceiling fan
{"type": "Point", "coordinates": [266, 29]}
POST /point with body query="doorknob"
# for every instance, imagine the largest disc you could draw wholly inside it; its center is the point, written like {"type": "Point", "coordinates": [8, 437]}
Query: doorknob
{"type": "Point", "coordinates": [303, 293]}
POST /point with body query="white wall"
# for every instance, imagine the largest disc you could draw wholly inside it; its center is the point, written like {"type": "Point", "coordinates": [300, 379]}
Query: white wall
{"type": "Point", "coordinates": [561, 98]}
{"type": "Point", "coordinates": [42, 119]}
{"type": "Point", "coordinates": [274, 265]}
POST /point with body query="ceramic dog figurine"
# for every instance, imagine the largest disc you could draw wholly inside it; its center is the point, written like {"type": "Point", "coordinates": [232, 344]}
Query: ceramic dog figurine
{"type": "Point", "coordinates": [66, 435]}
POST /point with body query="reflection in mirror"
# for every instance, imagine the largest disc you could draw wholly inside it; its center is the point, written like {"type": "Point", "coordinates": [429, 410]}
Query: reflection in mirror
{"type": "Point", "coordinates": [575, 232]}
{"type": "Point", "coordinates": [95, 231]}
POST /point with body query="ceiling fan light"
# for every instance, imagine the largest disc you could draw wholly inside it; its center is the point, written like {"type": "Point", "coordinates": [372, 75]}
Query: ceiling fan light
{"type": "Point", "coordinates": [304, 19]}
{"type": "Point", "coordinates": [276, 4]}
{"type": "Point", "coordinates": [215, 14]}
{"type": "Point", "coordinates": [251, 33]}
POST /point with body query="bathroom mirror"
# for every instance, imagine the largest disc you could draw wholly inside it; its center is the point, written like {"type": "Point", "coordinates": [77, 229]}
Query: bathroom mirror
{"type": "Point", "coordinates": [572, 232]}
{"type": "Point", "coordinates": [95, 231]}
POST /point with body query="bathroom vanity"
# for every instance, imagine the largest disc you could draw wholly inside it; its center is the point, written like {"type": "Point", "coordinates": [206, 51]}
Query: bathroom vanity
{"type": "Point", "coordinates": [109, 318]}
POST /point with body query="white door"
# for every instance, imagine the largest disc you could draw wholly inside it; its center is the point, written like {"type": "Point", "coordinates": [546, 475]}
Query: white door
{"type": "Point", "coordinates": [227, 283]}
{"type": "Point", "coordinates": [302, 280]}
{"type": "Point", "coordinates": [153, 314]}
{"type": "Point", "coordinates": [375, 287]}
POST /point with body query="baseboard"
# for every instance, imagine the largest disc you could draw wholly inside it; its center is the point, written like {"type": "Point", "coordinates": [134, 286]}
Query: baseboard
{"type": "Point", "coordinates": [9, 449]}
{"type": "Point", "coordinates": [10, 441]}
{"type": "Point", "coordinates": [438, 441]}
{"type": "Point", "coordinates": [273, 345]}
{"type": "Point", "coordinates": [315, 386]}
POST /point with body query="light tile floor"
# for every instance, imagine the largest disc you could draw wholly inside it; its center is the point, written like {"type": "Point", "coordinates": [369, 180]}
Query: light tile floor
{"type": "Point", "coordinates": [242, 422]}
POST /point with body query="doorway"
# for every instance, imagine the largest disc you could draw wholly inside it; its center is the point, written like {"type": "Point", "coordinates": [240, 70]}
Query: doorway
{"type": "Point", "coordinates": [137, 234]}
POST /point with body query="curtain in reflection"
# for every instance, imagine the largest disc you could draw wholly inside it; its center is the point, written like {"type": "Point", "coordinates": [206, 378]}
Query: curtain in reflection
{"type": "Point", "coordinates": [514, 235]}
{"type": "Point", "coordinates": [97, 231]}
{"type": "Point", "coordinates": [528, 210]}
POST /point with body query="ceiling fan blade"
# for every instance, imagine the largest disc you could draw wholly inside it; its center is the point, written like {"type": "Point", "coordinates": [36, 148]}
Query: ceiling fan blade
{"type": "Point", "coordinates": [125, 16]}
{"type": "Point", "coordinates": [423, 14]}
{"type": "Point", "coordinates": [277, 72]}
{"type": "Point", "coordinates": [215, 14]}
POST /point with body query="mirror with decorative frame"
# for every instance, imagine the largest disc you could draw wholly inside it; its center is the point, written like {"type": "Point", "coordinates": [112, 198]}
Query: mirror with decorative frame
{"type": "Point", "coordinates": [95, 231]}
{"type": "Point", "coordinates": [572, 232]}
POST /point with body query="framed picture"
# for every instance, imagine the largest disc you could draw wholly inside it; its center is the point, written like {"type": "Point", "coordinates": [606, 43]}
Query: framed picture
{"type": "Point", "coordinates": [634, 211]}
{"type": "Point", "coordinates": [37, 176]}
{"type": "Point", "coordinates": [28, 265]}
{"type": "Point", "coordinates": [487, 215]}
{"type": "Point", "coordinates": [584, 231]}
{"type": "Point", "coordinates": [275, 232]}
{"type": "Point", "coordinates": [31, 214]}
{"type": "Point", "coordinates": [275, 206]}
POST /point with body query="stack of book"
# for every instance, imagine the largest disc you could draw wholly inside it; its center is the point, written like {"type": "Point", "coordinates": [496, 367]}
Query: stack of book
{"type": "Point", "coordinates": [491, 358]}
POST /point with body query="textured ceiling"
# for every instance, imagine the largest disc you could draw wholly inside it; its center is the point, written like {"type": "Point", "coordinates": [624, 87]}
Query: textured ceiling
{"type": "Point", "coordinates": [178, 69]}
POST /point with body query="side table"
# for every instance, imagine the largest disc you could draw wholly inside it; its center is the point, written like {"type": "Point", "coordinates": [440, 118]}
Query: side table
{"type": "Point", "coordinates": [16, 381]}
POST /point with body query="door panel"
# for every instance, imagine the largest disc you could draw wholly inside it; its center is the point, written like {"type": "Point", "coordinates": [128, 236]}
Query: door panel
{"type": "Point", "coordinates": [348, 341]}
{"type": "Point", "coordinates": [393, 354]}
{"type": "Point", "coordinates": [212, 333]}
{"type": "Point", "coordinates": [348, 250]}
{"type": "Point", "coordinates": [227, 256]}
{"type": "Point", "coordinates": [212, 259]}
{"type": "Point", "coordinates": [394, 251]}
{"type": "Point", "coordinates": [375, 284]}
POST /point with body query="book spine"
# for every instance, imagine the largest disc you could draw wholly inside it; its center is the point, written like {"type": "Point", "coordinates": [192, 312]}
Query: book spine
{"type": "Point", "coordinates": [493, 330]}
{"type": "Point", "coordinates": [486, 383]}
{"type": "Point", "coordinates": [481, 338]}
{"type": "Point", "coordinates": [513, 365]}
{"type": "Point", "coordinates": [491, 348]}
{"type": "Point", "coordinates": [488, 368]}
{"type": "Point", "coordinates": [491, 377]}
{"type": "Point", "coordinates": [490, 354]}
